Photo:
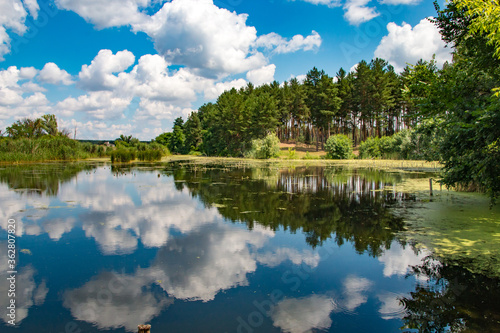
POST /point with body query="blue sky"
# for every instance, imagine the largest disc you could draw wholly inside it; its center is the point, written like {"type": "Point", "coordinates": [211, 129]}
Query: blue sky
{"type": "Point", "coordinates": [132, 66]}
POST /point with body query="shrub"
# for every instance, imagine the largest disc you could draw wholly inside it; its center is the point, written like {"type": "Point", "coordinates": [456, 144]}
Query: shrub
{"type": "Point", "coordinates": [338, 147]}
{"type": "Point", "coordinates": [370, 148]}
{"type": "Point", "coordinates": [101, 151]}
{"type": "Point", "coordinates": [384, 147]}
{"type": "Point", "coordinates": [403, 145]}
{"type": "Point", "coordinates": [269, 147]}
{"type": "Point", "coordinates": [123, 155]}
{"type": "Point", "coordinates": [292, 154]}
{"type": "Point", "coordinates": [387, 147]}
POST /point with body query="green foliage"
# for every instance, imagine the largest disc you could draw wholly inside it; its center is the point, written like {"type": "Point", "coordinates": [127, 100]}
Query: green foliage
{"type": "Point", "coordinates": [385, 147]}
{"type": "Point", "coordinates": [149, 155]}
{"type": "Point", "coordinates": [485, 19]}
{"type": "Point", "coordinates": [151, 152]}
{"type": "Point", "coordinates": [195, 153]}
{"type": "Point", "coordinates": [338, 147]}
{"type": "Point", "coordinates": [163, 139]}
{"type": "Point", "coordinates": [417, 81]}
{"type": "Point", "coordinates": [308, 156]}
{"type": "Point", "coordinates": [123, 155]}
{"type": "Point", "coordinates": [292, 154]}
{"type": "Point", "coordinates": [463, 96]}
{"type": "Point", "coordinates": [142, 151]}
{"type": "Point", "coordinates": [95, 150]}
{"type": "Point", "coordinates": [370, 148]}
{"type": "Point", "coordinates": [238, 117]}
{"type": "Point", "coordinates": [176, 143]}
{"type": "Point", "coordinates": [266, 148]}
{"type": "Point", "coordinates": [193, 133]}
{"type": "Point", "coordinates": [45, 148]}
{"type": "Point", "coordinates": [34, 128]}
{"type": "Point", "coordinates": [322, 98]}
{"type": "Point", "coordinates": [126, 141]}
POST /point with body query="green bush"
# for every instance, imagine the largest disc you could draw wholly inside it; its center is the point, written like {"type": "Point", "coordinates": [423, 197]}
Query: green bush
{"type": "Point", "coordinates": [384, 147]}
{"type": "Point", "coordinates": [421, 143]}
{"type": "Point", "coordinates": [338, 147]}
{"type": "Point", "coordinates": [269, 147]}
{"type": "Point", "coordinates": [370, 148]}
{"type": "Point", "coordinates": [388, 147]}
{"type": "Point", "coordinates": [403, 145]}
{"type": "Point", "coordinates": [123, 155]}
{"type": "Point", "coordinates": [292, 154]}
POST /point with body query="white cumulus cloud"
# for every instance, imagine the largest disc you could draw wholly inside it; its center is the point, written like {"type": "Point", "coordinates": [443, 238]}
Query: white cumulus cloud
{"type": "Point", "coordinates": [13, 14]}
{"type": "Point", "coordinates": [32, 7]}
{"type": "Point", "coordinates": [19, 95]}
{"type": "Point", "coordinates": [329, 3]}
{"type": "Point", "coordinates": [200, 35]}
{"type": "Point", "coordinates": [97, 104]}
{"type": "Point", "coordinates": [109, 13]}
{"type": "Point", "coordinates": [51, 73]}
{"type": "Point", "coordinates": [279, 44]}
{"type": "Point", "coordinates": [215, 90]}
{"type": "Point", "coordinates": [262, 75]}
{"type": "Point", "coordinates": [406, 44]}
{"type": "Point", "coordinates": [357, 11]}
{"type": "Point", "coordinates": [99, 75]}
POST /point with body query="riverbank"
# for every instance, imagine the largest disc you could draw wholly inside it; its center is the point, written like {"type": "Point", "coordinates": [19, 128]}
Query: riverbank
{"type": "Point", "coordinates": [405, 165]}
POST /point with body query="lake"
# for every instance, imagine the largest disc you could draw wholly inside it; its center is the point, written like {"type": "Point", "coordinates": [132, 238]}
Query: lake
{"type": "Point", "coordinates": [237, 247]}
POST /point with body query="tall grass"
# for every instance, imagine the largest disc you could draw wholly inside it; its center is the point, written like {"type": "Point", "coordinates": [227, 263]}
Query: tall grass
{"type": "Point", "coordinates": [46, 148]}
{"type": "Point", "coordinates": [149, 155]}
{"type": "Point", "coordinates": [123, 155]}
{"type": "Point", "coordinates": [143, 152]}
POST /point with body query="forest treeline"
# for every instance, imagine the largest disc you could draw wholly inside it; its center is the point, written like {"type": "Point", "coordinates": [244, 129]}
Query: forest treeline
{"type": "Point", "coordinates": [371, 101]}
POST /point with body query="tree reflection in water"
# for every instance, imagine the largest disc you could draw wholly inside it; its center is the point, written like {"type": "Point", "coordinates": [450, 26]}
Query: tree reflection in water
{"type": "Point", "coordinates": [42, 179]}
{"type": "Point", "coordinates": [453, 299]}
{"type": "Point", "coordinates": [349, 205]}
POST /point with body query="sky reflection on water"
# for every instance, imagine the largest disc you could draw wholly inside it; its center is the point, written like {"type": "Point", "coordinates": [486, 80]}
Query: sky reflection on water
{"type": "Point", "coordinates": [212, 250]}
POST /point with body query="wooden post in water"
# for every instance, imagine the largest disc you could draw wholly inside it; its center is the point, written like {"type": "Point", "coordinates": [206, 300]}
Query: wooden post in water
{"type": "Point", "coordinates": [430, 185]}
{"type": "Point", "coordinates": [144, 328]}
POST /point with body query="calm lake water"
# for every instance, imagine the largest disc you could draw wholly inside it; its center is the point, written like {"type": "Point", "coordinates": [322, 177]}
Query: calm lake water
{"type": "Point", "coordinates": [235, 248]}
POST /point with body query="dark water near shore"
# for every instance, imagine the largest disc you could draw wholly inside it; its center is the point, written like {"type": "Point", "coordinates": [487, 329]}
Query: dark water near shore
{"type": "Point", "coordinates": [230, 248]}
